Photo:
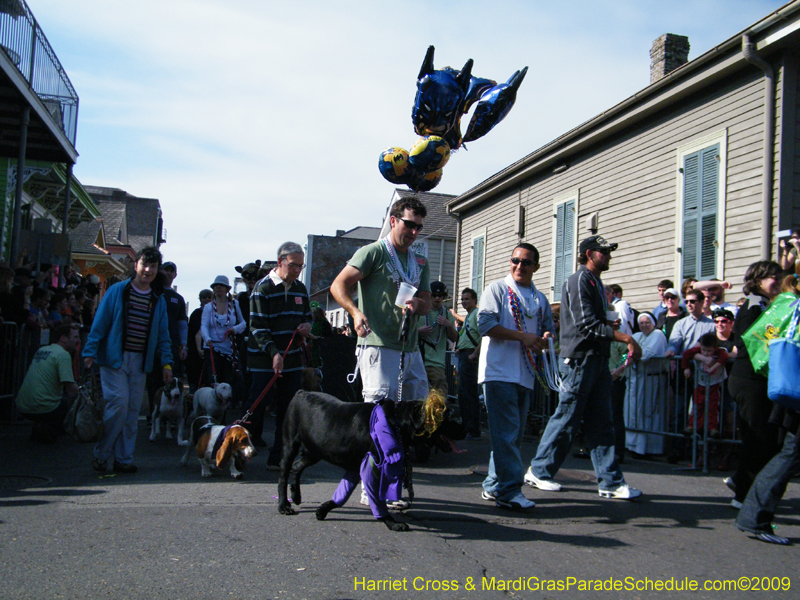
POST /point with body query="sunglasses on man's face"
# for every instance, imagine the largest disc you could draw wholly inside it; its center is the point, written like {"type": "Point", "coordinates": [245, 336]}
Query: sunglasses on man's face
{"type": "Point", "coordinates": [689, 301]}
{"type": "Point", "coordinates": [722, 321]}
{"type": "Point", "coordinates": [525, 262]}
{"type": "Point", "coordinates": [670, 297]}
{"type": "Point", "coordinates": [411, 224]}
{"type": "Point", "coordinates": [437, 295]}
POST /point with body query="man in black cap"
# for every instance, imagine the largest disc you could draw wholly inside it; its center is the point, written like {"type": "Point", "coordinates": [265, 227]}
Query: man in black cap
{"type": "Point", "coordinates": [435, 329]}
{"type": "Point", "coordinates": [586, 336]}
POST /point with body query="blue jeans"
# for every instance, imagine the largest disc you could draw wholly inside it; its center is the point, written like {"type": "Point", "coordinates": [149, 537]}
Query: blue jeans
{"type": "Point", "coordinates": [587, 397]}
{"type": "Point", "coordinates": [123, 391]}
{"type": "Point", "coordinates": [468, 393]}
{"type": "Point", "coordinates": [767, 490]}
{"type": "Point", "coordinates": [507, 407]}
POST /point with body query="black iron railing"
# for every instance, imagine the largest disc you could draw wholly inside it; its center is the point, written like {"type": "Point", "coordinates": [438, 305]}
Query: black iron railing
{"type": "Point", "coordinates": [25, 44]}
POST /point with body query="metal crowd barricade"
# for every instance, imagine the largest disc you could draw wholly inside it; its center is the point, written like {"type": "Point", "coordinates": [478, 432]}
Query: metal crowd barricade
{"type": "Point", "coordinates": [18, 344]}
{"type": "Point", "coordinates": [659, 401]}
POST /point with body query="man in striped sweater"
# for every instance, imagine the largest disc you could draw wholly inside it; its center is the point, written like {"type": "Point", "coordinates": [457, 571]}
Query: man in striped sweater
{"type": "Point", "coordinates": [279, 306]}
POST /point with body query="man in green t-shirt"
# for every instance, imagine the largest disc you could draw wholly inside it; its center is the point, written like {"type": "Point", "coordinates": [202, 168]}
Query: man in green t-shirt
{"type": "Point", "coordinates": [49, 385]}
{"type": "Point", "coordinates": [468, 350]}
{"type": "Point", "coordinates": [378, 269]}
{"type": "Point", "coordinates": [436, 328]}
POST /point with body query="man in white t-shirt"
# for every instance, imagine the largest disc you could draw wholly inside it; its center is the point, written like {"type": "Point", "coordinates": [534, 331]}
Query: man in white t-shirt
{"type": "Point", "coordinates": [515, 320]}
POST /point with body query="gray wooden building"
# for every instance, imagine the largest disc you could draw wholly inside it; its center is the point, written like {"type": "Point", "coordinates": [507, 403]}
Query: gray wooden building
{"type": "Point", "coordinates": [693, 176]}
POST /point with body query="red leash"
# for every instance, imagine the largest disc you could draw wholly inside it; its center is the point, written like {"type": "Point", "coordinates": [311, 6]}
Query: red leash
{"type": "Point", "coordinates": [249, 412]}
{"type": "Point", "coordinates": [213, 368]}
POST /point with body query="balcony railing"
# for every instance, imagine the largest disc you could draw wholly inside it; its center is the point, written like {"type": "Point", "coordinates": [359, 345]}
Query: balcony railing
{"type": "Point", "coordinates": [25, 44]}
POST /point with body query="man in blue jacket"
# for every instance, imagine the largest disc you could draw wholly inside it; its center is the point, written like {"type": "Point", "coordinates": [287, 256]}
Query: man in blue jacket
{"type": "Point", "coordinates": [129, 328]}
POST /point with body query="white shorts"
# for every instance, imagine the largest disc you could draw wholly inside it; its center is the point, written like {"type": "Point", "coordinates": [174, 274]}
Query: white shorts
{"type": "Point", "coordinates": [380, 370]}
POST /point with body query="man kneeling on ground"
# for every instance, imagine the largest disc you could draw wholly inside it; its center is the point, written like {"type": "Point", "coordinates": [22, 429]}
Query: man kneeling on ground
{"type": "Point", "coordinates": [49, 386]}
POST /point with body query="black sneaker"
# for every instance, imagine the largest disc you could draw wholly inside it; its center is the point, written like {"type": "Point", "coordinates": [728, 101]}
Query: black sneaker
{"type": "Point", "coordinates": [99, 465]}
{"type": "Point", "coordinates": [125, 468]}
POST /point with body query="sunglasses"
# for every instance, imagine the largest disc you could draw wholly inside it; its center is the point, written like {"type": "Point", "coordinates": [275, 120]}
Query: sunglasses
{"type": "Point", "coordinates": [438, 295]}
{"type": "Point", "coordinates": [670, 297]}
{"type": "Point", "coordinates": [525, 262]}
{"type": "Point", "coordinates": [411, 224]}
{"type": "Point", "coordinates": [692, 301]}
{"type": "Point", "coordinates": [722, 320]}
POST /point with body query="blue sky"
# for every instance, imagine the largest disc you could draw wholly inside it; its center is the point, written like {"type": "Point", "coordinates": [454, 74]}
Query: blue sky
{"type": "Point", "coordinates": [257, 122]}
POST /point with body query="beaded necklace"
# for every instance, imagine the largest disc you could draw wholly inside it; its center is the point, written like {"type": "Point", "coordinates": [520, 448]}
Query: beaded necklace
{"type": "Point", "coordinates": [412, 272]}
{"type": "Point", "coordinates": [217, 315]}
{"type": "Point", "coordinates": [530, 359]}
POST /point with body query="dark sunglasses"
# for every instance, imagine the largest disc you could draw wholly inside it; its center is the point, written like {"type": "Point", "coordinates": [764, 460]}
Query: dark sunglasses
{"type": "Point", "coordinates": [438, 295]}
{"type": "Point", "coordinates": [722, 320]}
{"type": "Point", "coordinates": [692, 301]}
{"type": "Point", "coordinates": [411, 224]}
{"type": "Point", "coordinates": [525, 262]}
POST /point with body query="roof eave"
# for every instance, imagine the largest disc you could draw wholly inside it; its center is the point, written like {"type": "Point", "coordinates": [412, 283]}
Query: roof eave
{"type": "Point", "coordinates": [681, 82]}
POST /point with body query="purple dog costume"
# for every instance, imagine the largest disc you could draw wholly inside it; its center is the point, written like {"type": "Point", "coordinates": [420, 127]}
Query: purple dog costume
{"type": "Point", "coordinates": [382, 468]}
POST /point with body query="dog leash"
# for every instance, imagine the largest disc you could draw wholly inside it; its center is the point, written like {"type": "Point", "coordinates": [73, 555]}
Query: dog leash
{"type": "Point", "coordinates": [249, 412]}
{"type": "Point", "coordinates": [213, 368]}
{"type": "Point", "coordinates": [360, 345]}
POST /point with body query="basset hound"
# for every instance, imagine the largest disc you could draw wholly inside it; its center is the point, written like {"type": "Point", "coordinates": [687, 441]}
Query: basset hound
{"type": "Point", "coordinates": [216, 446]}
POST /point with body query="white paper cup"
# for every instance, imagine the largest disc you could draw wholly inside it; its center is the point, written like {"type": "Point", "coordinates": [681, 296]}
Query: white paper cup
{"type": "Point", "coordinates": [404, 294]}
{"type": "Point", "coordinates": [612, 315]}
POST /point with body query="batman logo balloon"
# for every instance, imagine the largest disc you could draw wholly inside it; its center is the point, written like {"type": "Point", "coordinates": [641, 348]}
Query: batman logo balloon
{"type": "Point", "coordinates": [443, 97]}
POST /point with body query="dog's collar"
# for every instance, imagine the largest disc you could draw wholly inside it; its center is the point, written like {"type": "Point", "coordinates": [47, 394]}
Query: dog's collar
{"type": "Point", "coordinates": [219, 440]}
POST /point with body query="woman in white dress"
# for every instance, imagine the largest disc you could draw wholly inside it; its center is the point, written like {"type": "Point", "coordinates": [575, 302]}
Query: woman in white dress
{"type": "Point", "coordinates": [646, 395]}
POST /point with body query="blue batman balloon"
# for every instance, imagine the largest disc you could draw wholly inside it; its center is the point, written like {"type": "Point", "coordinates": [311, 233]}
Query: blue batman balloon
{"type": "Point", "coordinates": [443, 97]}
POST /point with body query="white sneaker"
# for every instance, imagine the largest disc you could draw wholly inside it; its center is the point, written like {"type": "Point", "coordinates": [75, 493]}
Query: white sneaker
{"type": "Point", "coordinates": [621, 492]}
{"type": "Point", "coordinates": [487, 496]}
{"type": "Point", "coordinates": [364, 500]}
{"type": "Point", "coordinates": [516, 502]}
{"type": "Point", "coordinates": [730, 483]}
{"type": "Point", "coordinates": [398, 504]}
{"type": "Point", "coordinates": [547, 485]}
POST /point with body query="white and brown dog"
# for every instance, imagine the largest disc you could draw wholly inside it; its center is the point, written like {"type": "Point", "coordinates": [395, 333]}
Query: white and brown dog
{"type": "Point", "coordinates": [212, 401]}
{"type": "Point", "coordinates": [218, 445]}
{"type": "Point", "coordinates": [169, 406]}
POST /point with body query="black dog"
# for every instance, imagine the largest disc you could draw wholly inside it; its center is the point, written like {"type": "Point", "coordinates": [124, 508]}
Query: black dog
{"type": "Point", "coordinates": [320, 427]}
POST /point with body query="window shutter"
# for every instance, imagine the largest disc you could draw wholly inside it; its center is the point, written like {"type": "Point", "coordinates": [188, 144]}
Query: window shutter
{"type": "Point", "coordinates": [564, 248]}
{"type": "Point", "coordinates": [477, 264]}
{"type": "Point", "coordinates": [700, 207]}
{"type": "Point", "coordinates": [710, 199]}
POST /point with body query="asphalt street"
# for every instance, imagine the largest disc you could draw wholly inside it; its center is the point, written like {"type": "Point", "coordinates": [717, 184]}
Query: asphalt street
{"type": "Point", "coordinates": [166, 533]}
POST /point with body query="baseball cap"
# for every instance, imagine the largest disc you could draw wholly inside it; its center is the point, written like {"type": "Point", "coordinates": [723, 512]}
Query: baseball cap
{"type": "Point", "coordinates": [169, 265]}
{"type": "Point", "coordinates": [438, 288]}
{"type": "Point", "coordinates": [596, 242]}
{"type": "Point", "coordinates": [722, 312]}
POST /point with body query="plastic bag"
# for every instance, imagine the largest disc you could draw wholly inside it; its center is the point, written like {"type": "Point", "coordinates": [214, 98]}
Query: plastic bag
{"type": "Point", "coordinates": [84, 420]}
{"type": "Point", "coordinates": [772, 324]}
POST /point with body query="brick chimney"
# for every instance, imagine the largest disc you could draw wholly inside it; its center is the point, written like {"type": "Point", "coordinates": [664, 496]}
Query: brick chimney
{"type": "Point", "coordinates": [669, 52]}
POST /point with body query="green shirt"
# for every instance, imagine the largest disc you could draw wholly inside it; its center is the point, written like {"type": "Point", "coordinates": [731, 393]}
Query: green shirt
{"type": "Point", "coordinates": [435, 354]}
{"type": "Point", "coordinates": [43, 387]}
{"type": "Point", "coordinates": [377, 291]}
{"type": "Point", "coordinates": [471, 326]}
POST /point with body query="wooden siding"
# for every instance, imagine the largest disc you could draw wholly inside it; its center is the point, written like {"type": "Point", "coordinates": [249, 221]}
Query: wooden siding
{"type": "Point", "coordinates": [631, 181]}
